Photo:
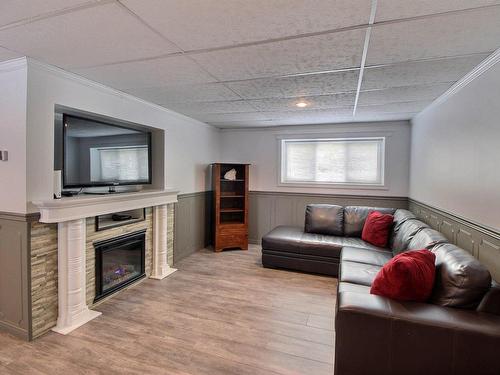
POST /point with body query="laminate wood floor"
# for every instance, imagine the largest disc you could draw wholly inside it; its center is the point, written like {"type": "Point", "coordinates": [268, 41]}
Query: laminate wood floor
{"type": "Point", "coordinates": [219, 314]}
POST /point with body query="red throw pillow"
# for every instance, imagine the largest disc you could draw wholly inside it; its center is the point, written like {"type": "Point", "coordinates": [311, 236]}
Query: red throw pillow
{"type": "Point", "coordinates": [408, 276]}
{"type": "Point", "coordinates": [377, 228]}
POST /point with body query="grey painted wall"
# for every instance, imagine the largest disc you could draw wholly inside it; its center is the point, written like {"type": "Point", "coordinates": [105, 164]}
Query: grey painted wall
{"type": "Point", "coordinates": [455, 153]}
{"type": "Point", "coordinates": [14, 275]}
{"type": "Point", "coordinates": [193, 228]}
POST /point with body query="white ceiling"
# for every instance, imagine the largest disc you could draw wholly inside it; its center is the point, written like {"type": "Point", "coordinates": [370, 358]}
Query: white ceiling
{"type": "Point", "coordinates": [239, 63]}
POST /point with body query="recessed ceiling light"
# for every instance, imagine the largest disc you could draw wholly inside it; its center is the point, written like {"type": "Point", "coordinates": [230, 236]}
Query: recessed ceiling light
{"type": "Point", "coordinates": [301, 104]}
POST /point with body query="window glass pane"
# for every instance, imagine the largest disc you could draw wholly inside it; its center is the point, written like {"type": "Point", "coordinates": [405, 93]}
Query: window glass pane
{"type": "Point", "coordinates": [331, 158]}
{"type": "Point", "coordinates": [300, 161]}
{"type": "Point", "coordinates": [341, 161]}
{"type": "Point", "coordinates": [363, 162]}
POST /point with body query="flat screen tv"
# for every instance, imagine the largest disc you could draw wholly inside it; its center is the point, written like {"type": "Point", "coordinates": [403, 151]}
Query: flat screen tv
{"type": "Point", "coordinates": [97, 153]}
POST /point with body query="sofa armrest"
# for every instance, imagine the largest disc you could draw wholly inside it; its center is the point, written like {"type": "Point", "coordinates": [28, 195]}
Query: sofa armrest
{"type": "Point", "coordinates": [377, 335]}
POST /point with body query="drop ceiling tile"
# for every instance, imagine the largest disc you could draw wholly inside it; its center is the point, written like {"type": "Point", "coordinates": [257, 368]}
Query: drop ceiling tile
{"type": "Point", "coordinates": [406, 107]}
{"type": "Point", "coordinates": [314, 102]}
{"type": "Point", "coordinates": [297, 86]}
{"type": "Point", "coordinates": [86, 38]}
{"type": "Point", "coordinates": [472, 32]}
{"type": "Point", "coordinates": [403, 94]}
{"type": "Point", "coordinates": [419, 73]}
{"type": "Point", "coordinates": [204, 92]}
{"type": "Point", "coordinates": [148, 73]}
{"type": "Point", "coordinates": [5, 54]}
{"type": "Point", "coordinates": [396, 9]}
{"type": "Point", "coordinates": [319, 53]}
{"type": "Point", "coordinates": [235, 106]}
{"type": "Point", "coordinates": [215, 23]}
{"type": "Point", "coordinates": [17, 10]}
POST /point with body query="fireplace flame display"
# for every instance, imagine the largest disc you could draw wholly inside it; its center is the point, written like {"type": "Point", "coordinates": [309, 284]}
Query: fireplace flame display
{"type": "Point", "coordinates": [114, 275]}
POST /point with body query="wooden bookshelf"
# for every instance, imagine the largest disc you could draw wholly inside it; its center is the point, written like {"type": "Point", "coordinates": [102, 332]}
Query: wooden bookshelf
{"type": "Point", "coordinates": [230, 207]}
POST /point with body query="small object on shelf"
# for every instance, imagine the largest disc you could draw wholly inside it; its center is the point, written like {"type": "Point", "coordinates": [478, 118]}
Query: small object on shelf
{"type": "Point", "coordinates": [230, 221]}
{"type": "Point", "coordinates": [121, 217]}
{"type": "Point", "coordinates": [230, 175]}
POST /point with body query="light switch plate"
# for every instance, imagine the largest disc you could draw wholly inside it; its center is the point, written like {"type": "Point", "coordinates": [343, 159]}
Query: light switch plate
{"type": "Point", "coordinates": [4, 155]}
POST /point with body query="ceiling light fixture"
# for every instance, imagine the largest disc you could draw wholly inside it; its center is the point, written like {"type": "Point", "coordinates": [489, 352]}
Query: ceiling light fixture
{"type": "Point", "coordinates": [301, 104]}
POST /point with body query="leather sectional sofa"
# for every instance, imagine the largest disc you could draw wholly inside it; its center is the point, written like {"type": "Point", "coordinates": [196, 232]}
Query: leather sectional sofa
{"type": "Point", "coordinates": [456, 332]}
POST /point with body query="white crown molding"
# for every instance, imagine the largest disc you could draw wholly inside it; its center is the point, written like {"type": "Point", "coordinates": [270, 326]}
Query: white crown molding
{"type": "Point", "coordinates": [350, 126]}
{"type": "Point", "coordinates": [14, 64]}
{"type": "Point", "coordinates": [475, 73]}
{"type": "Point", "coordinates": [32, 63]}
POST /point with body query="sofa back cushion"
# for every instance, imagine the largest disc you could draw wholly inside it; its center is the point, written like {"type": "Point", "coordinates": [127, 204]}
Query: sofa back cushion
{"type": "Point", "coordinates": [400, 216]}
{"type": "Point", "coordinates": [461, 281]}
{"type": "Point", "coordinates": [405, 233]}
{"type": "Point", "coordinates": [355, 216]}
{"type": "Point", "coordinates": [325, 219]}
{"type": "Point", "coordinates": [426, 238]}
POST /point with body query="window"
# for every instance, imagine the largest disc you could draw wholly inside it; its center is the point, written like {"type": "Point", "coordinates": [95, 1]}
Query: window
{"type": "Point", "coordinates": [346, 161]}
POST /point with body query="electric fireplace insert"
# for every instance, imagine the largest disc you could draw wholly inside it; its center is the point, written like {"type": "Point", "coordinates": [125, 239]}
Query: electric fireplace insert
{"type": "Point", "coordinates": [119, 261]}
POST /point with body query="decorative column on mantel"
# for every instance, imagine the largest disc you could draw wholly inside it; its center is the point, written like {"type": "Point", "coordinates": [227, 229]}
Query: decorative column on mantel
{"type": "Point", "coordinates": [161, 269]}
{"type": "Point", "coordinates": [72, 307]}
{"type": "Point", "coordinates": [70, 214]}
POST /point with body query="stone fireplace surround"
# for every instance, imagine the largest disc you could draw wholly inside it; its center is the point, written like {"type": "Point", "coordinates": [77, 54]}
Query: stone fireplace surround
{"type": "Point", "coordinates": [75, 234]}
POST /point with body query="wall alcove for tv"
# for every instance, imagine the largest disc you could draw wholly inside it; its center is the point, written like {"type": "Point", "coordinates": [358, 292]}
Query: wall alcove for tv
{"type": "Point", "coordinates": [152, 179]}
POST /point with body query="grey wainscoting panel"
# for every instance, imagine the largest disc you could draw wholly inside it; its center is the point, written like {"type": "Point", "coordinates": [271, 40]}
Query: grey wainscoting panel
{"type": "Point", "coordinates": [193, 226]}
{"type": "Point", "coordinates": [14, 276]}
{"type": "Point", "coordinates": [480, 241]}
{"type": "Point", "coordinates": [270, 209]}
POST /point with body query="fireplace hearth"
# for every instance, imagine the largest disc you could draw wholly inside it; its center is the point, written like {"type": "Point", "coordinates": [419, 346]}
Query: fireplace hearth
{"type": "Point", "coordinates": [119, 261]}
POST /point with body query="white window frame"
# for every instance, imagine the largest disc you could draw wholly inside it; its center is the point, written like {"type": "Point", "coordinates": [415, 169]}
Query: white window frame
{"type": "Point", "coordinates": [332, 185]}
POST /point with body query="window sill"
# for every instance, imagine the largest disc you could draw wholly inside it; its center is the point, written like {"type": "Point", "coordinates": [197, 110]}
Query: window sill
{"type": "Point", "coordinates": [332, 186]}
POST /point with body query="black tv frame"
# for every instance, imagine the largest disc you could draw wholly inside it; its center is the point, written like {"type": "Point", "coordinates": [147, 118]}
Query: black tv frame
{"type": "Point", "coordinates": [105, 184]}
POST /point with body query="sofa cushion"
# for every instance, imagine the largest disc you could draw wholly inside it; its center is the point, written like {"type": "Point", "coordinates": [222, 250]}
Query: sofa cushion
{"type": "Point", "coordinates": [325, 219]}
{"type": "Point", "coordinates": [427, 238]}
{"type": "Point", "coordinates": [367, 256]}
{"type": "Point", "coordinates": [355, 288]}
{"type": "Point", "coordinates": [461, 281]}
{"type": "Point", "coordinates": [358, 273]}
{"type": "Point", "coordinates": [283, 238]}
{"type": "Point", "coordinates": [405, 234]}
{"type": "Point", "coordinates": [292, 239]}
{"type": "Point", "coordinates": [377, 228]}
{"type": "Point", "coordinates": [355, 216]}
{"type": "Point", "coordinates": [359, 243]}
{"type": "Point", "coordinates": [406, 277]}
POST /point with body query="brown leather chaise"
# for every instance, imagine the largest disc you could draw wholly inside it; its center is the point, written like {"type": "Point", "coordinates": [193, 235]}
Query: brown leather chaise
{"type": "Point", "coordinates": [316, 247]}
{"type": "Point", "coordinates": [456, 332]}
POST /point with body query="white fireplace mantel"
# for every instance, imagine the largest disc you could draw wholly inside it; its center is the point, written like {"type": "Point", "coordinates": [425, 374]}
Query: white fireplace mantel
{"type": "Point", "coordinates": [82, 206]}
{"type": "Point", "coordinates": [70, 215]}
